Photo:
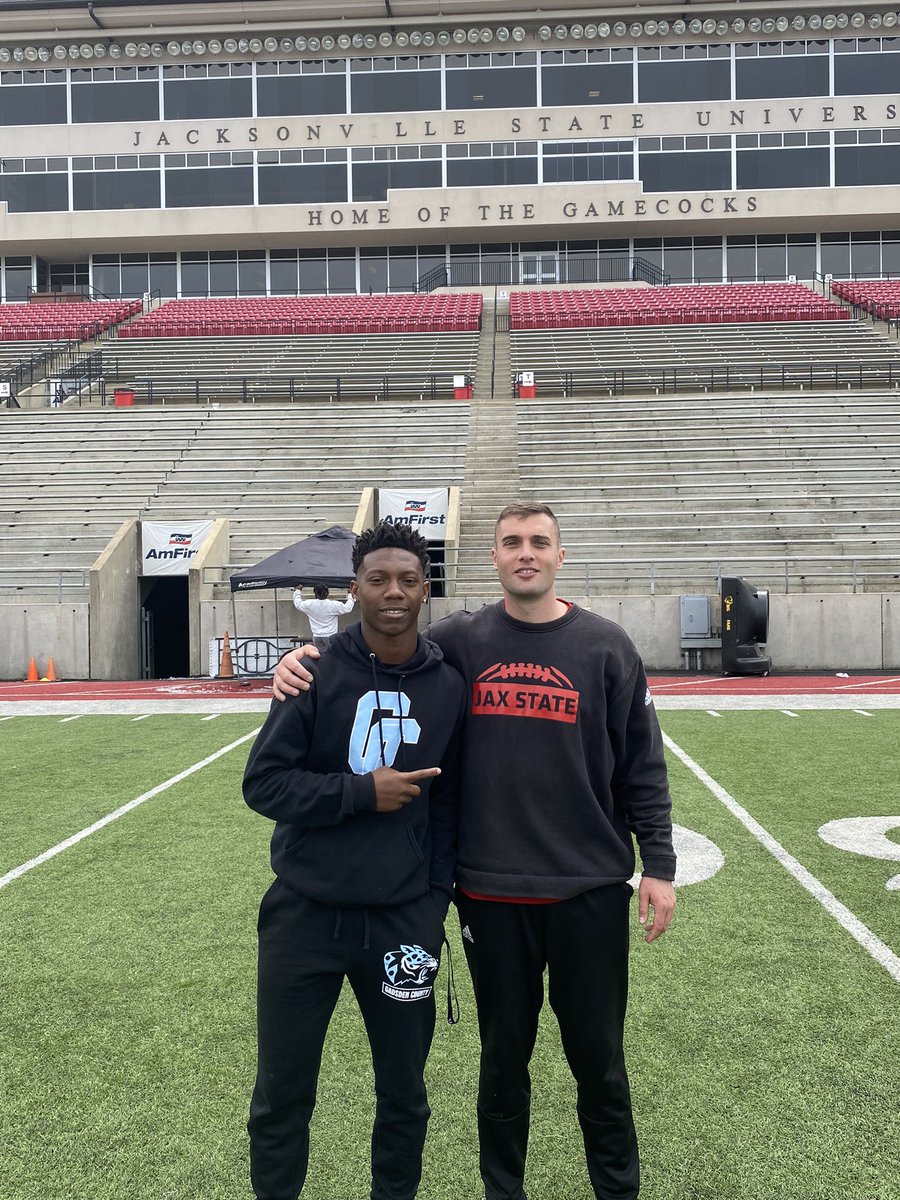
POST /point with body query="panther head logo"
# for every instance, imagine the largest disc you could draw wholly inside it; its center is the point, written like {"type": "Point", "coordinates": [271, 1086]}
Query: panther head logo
{"type": "Point", "coordinates": [409, 965]}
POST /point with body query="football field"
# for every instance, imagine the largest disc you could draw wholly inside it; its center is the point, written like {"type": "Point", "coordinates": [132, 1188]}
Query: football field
{"type": "Point", "coordinates": [764, 1028]}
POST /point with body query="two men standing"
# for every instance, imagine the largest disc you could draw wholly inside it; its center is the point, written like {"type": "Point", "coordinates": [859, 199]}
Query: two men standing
{"type": "Point", "coordinates": [562, 765]}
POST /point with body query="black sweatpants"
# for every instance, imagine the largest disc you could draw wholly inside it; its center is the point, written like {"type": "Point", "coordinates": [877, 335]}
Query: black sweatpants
{"type": "Point", "coordinates": [390, 957]}
{"type": "Point", "coordinates": [583, 942]}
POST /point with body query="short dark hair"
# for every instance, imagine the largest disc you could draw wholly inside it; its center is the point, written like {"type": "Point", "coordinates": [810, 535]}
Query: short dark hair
{"type": "Point", "coordinates": [520, 509]}
{"type": "Point", "coordinates": [320, 591]}
{"type": "Point", "coordinates": [385, 536]}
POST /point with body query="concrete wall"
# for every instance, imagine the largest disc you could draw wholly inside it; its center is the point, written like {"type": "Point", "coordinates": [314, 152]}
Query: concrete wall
{"type": "Point", "coordinates": [115, 608]}
{"type": "Point", "coordinates": [42, 630]}
{"type": "Point", "coordinates": [828, 632]}
{"type": "Point", "coordinates": [808, 632]}
{"type": "Point", "coordinates": [213, 553]}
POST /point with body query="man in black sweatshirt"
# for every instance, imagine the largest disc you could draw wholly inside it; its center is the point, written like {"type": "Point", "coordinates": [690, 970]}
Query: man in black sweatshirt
{"type": "Point", "coordinates": [563, 767]}
{"type": "Point", "coordinates": [360, 774]}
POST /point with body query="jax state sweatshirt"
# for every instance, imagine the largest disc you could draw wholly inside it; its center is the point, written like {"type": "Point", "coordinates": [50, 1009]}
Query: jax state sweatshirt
{"type": "Point", "coordinates": [310, 770]}
{"type": "Point", "coordinates": [562, 756]}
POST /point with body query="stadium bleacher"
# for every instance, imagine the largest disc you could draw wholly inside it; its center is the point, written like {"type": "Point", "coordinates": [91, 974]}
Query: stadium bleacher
{"type": "Point", "coordinates": [272, 316]}
{"type": "Point", "coordinates": [79, 320]}
{"type": "Point", "coordinates": [688, 304]}
{"type": "Point", "coordinates": [68, 479]}
{"type": "Point", "coordinates": [878, 297]}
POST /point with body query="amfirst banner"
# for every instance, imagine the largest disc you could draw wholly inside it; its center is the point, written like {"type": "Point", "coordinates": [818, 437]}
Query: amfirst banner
{"type": "Point", "coordinates": [167, 549]}
{"type": "Point", "coordinates": [423, 508]}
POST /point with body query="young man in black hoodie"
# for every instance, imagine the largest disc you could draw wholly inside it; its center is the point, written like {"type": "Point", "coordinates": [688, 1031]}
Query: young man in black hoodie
{"type": "Point", "coordinates": [360, 774]}
{"type": "Point", "coordinates": [563, 766]}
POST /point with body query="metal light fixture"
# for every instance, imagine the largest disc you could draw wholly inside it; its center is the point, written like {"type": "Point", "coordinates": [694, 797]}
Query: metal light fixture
{"type": "Point", "coordinates": [577, 31]}
{"type": "Point", "coordinates": [502, 34]}
{"type": "Point", "coordinates": [620, 29]}
{"type": "Point", "coordinates": [590, 32]}
{"type": "Point", "coordinates": [43, 54]}
{"type": "Point", "coordinates": [561, 32]}
{"type": "Point", "coordinates": [287, 44]}
{"type": "Point", "coordinates": [358, 41]}
{"type": "Point", "coordinates": [662, 28]}
{"type": "Point", "coordinates": [487, 35]}
{"type": "Point", "coordinates": [842, 20]}
{"type": "Point", "coordinates": [815, 22]}
{"type": "Point", "coordinates": [709, 26]}
{"type": "Point", "coordinates": [721, 28]}
{"type": "Point", "coordinates": [545, 33]}
{"type": "Point", "coordinates": [875, 21]}
{"type": "Point", "coordinates": [443, 37]}
{"type": "Point", "coordinates": [603, 30]}
{"type": "Point", "coordinates": [313, 43]}
{"type": "Point", "coordinates": [59, 52]}
{"type": "Point", "coordinates": [370, 41]}
{"type": "Point", "coordinates": [518, 34]}
{"type": "Point", "coordinates": [214, 46]}
{"type": "Point", "coordinates": [427, 38]}
{"type": "Point", "coordinates": [473, 36]}
{"type": "Point", "coordinates": [344, 41]}
{"type": "Point", "coordinates": [799, 23]}
{"type": "Point", "coordinates": [114, 50]}
{"type": "Point", "coordinates": [829, 21]}
{"type": "Point", "coordinates": [230, 45]}
{"type": "Point", "coordinates": [782, 24]}
{"type": "Point", "coordinates": [187, 48]}
{"type": "Point", "coordinates": [31, 54]}
{"type": "Point", "coordinates": [270, 44]}
{"type": "Point", "coordinates": [738, 25]}
{"type": "Point", "coordinates": [651, 28]}
{"type": "Point", "coordinates": [858, 20]}
{"type": "Point", "coordinates": [679, 26]}
{"type": "Point", "coordinates": [459, 36]}
{"type": "Point", "coordinates": [768, 25]}
{"type": "Point", "coordinates": [415, 38]}
{"type": "Point", "coordinates": [636, 29]}
{"type": "Point", "coordinates": [74, 52]}
{"type": "Point", "coordinates": [696, 26]}
{"type": "Point", "coordinates": [889, 20]}
{"type": "Point", "coordinates": [255, 46]}
{"type": "Point", "coordinates": [144, 50]}
{"type": "Point", "coordinates": [243, 45]}
{"type": "Point", "coordinates": [19, 54]}
{"type": "Point", "coordinates": [131, 49]}
{"type": "Point", "coordinates": [328, 42]}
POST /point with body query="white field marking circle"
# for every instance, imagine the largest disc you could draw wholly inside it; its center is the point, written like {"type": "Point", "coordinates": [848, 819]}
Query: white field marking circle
{"type": "Point", "coordinates": [848, 920]}
{"type": "Point", "coordinates": [16, 872]}
{"type": "Point", "coordinates": [698, 858]}
{"type": "Point", "coordinates": [866, 836]}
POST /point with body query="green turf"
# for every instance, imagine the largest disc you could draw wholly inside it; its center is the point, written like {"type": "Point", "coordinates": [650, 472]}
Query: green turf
{"type": "Point", "coordinates": [763, 1041]}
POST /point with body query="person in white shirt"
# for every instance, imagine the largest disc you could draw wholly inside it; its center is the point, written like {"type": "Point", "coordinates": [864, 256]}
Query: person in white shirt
{"type": "Point", "coordinates": [322, 613]}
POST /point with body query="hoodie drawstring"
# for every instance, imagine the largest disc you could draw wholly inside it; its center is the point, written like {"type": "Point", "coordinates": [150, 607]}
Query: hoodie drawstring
{"type": "Point", "coordinates": [452, 997]}
{"type": "Point", "coordinates": [378, 703]}
{"type": "Point", "coordinates": [337, 924]}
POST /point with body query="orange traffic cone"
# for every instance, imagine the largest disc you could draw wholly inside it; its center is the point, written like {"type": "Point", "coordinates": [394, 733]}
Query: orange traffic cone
{"type": "Point", "coordinates": [226, 666]}
{"type": "Point", "coordinates": [32, 676]}
{"type": "Point", "coordinates": [50, 677]}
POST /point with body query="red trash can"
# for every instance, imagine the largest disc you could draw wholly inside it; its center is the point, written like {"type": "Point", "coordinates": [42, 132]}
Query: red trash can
{"type": "Point", "coordinates": [123, 397]}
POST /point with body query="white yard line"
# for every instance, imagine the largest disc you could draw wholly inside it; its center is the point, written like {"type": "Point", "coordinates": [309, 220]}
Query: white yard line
{"type": "Point", "coordinates": [789, 713]}
{"type": "Point", "coordinates": [143, 717]}
{"type": "Point", "coordinates": [211, 717]}
{"type": "Point", "coordinates": [711, 712]}
{"type": "Point", "coordinates": [869, 941]}
{"type": "Point", "coordinates": [66, 720]}
{"type": "Point", "coordinates": [17, 872]}
{"type": "Point", "coordinates": [862, 712]}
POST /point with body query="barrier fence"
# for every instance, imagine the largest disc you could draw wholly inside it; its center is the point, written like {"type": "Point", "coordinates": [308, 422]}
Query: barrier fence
{"type": "Point", "coordinates": [724, 377]}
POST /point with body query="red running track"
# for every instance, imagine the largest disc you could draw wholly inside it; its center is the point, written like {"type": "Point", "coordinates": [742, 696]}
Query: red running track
{"type": "Point", "coordinates": [661, 685]}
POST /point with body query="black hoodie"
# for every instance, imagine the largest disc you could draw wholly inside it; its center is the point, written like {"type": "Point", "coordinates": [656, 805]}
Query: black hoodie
{"type": "Point", "coordinates": [310, 771]}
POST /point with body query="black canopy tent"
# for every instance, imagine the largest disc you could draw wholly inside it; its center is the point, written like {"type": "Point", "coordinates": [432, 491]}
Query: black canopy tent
{"type": "Point", "coordinates": [324, 557]}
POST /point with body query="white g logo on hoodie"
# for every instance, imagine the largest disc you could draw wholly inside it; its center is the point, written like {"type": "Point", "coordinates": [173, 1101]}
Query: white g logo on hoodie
{"type": "Point", "coordinates": [380, 718]}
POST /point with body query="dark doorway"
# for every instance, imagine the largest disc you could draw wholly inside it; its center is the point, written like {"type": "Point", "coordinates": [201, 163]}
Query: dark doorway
{"type": "Point", "coordinates": [165, 642]}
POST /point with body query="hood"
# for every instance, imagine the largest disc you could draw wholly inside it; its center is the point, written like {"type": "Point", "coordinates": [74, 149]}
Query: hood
{"type": "Point", "coordinates": [351, 646]}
